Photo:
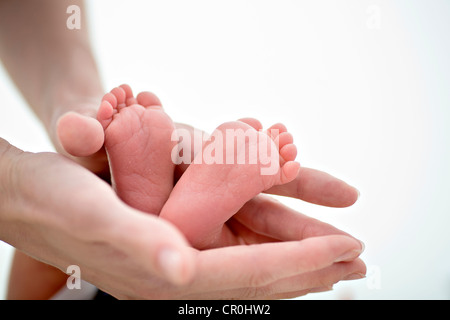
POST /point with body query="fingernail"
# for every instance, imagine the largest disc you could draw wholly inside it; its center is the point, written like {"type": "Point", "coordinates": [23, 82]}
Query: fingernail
{"type": "Point", "coordinates": [354, 276]}
{"type": "Point", "coordinates": [363, 246]}
{"type": "Point", "coordinates": [170, 263]}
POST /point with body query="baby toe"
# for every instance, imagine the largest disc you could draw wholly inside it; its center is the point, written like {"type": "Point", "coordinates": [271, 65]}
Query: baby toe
{"type": "Point", "coordinates": [148, 99]}
{"type": "Point", "coordinates": [120, 95]}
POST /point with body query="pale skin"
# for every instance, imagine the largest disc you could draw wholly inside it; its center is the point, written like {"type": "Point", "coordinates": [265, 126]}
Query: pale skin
{"type": "Point", "coordinates": [212, 193]}
{"type": "Point", "coordinates": [139, 143]}
{"type": "Point", "coordinates": [256, 223]}
{"type": "Point", "coordinates": [117, 247]}
{"type": "Point", "coordinates": [297, 263]}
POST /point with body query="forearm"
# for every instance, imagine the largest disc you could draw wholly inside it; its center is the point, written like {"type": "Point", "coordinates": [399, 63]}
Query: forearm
{"type": "Point", "coordinates": [51, 65]}
{"type": "Point", "coordinates": [8, 178]}
{"type": "Point", "coordinates": [24, 197]}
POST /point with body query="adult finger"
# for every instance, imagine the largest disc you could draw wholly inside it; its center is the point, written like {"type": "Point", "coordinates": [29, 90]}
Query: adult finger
{"type": "Point", "coordinates": [318, 187]}
{"type": "Point", "coordinates": [234, 267]}
{"type": "Point", "coordinates": [295, 286]}
{"type": "Point", "coordinates": [324, 278]}
{"type": "Point", "coordinates": [270, 218]}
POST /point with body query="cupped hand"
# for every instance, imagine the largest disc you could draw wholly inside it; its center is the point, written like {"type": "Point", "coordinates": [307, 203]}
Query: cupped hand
{"type": "Point", "coordinates": [62, 214]}
{"type": "Point", "coordinates": [270, 231]}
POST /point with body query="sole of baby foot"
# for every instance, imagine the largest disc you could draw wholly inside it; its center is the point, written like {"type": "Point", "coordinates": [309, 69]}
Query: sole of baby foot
{"type": "Point", "coordinates": [138, 143]}
{"type": "Point", "coordinates": [211, 192]}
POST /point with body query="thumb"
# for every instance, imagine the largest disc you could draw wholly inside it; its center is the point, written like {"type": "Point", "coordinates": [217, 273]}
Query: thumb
{"type": "Point", "coordinates": [80, 135]}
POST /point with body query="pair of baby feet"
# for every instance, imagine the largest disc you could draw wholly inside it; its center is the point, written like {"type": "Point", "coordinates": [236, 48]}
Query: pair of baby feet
{"type": "Point", "coordinates": [141, 141]}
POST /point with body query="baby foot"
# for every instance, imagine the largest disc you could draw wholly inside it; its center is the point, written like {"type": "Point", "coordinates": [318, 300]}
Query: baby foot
{"type": "Point", "coordinates": [211, 192]}
{"type": "Point", "coordinates": [138, 144]}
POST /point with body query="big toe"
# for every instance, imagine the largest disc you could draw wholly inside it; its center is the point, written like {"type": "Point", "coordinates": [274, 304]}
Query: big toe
{"type": "Point", "coordinates": [255, 123]}
{"type": "Point", "coordinates": [289, 171]}
{"type": "Point", "coordinates": [148, 99]}
{"type": "Point", "coordinates": [79, 135]}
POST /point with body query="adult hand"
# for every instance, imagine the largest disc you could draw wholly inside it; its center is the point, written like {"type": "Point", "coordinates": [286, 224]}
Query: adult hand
{"type": "Point", "coordinates": [60, 213]}
{"type": "Point", "coordinates": [132, 255]}
{"type": "Point", "coordinates": [278, 270]}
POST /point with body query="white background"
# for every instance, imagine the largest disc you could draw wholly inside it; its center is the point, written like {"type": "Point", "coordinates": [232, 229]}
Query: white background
{"type": "Point", "coordinates": [364, 86]}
